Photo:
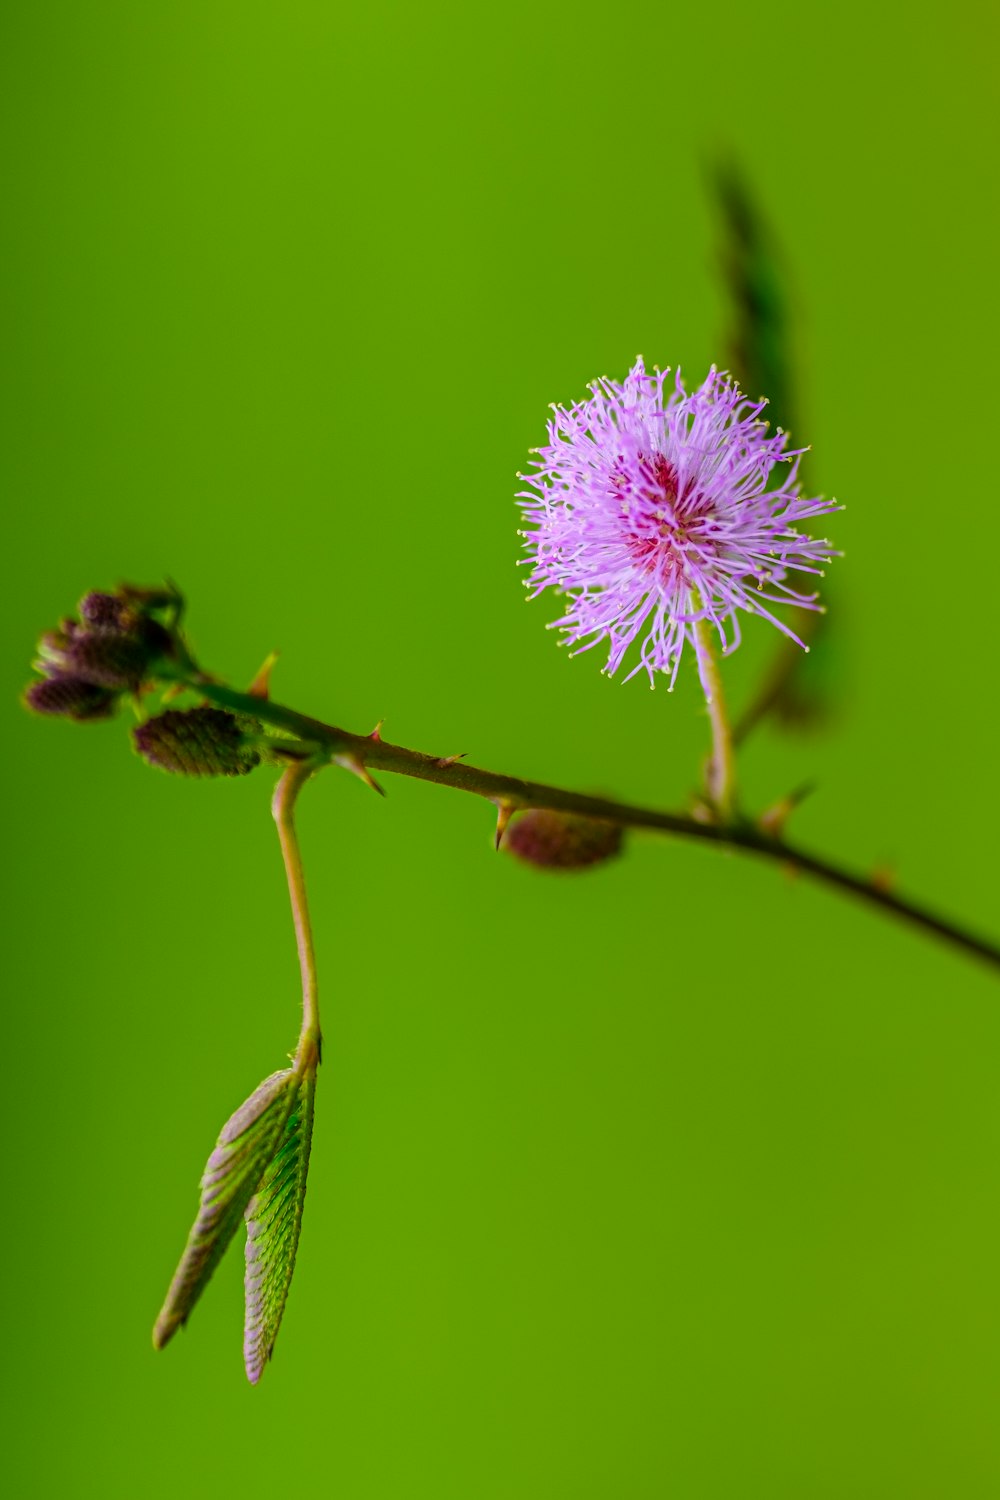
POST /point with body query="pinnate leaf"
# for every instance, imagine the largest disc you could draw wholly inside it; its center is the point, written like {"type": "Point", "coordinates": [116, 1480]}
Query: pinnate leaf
{"type": "Point", "coordinates": [274, 1219]}
{"type": "Point", "coordinates": [245, 1146]}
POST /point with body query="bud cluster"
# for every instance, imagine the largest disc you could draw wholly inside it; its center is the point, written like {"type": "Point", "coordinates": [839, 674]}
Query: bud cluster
{"type": "Point", "coordinates": [87, 664]}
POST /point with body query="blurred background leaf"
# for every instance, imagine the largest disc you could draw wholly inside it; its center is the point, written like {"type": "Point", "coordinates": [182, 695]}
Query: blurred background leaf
{"type": "Point", "coordinates": [800, 689]}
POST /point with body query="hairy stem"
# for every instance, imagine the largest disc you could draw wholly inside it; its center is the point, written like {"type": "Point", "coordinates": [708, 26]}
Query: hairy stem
{"type": "Point", "coordinates": [374, 754]}
{"type": "Point", "coordinates": [307, 1052]}
{"type": "Point", "coordinates": [720, 772]}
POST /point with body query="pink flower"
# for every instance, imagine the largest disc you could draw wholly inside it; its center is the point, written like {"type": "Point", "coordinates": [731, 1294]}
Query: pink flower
{"type": "Point", "coordinates": [652, 514]}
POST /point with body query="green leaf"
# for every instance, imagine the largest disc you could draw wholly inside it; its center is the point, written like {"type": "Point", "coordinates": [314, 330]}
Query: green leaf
{"type": "Point", "coordinates": [234, 1169]}
{"type": "Point", "coordinates": [274, 1219]}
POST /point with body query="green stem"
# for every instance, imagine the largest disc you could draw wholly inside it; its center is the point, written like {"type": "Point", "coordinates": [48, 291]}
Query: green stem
{"type": "Point", "coordinates": [307, 1052]}
{"type": "Point", "coordinates": [375, 754]}
{"type": "Point", "coordinates": [720, 771]}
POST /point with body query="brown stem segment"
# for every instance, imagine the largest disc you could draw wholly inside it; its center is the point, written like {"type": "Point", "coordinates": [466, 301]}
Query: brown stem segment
{"type": "Point", "coordinates": [377, 755]}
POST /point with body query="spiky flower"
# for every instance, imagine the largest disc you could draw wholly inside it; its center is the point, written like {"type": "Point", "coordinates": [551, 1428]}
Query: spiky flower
{"type": "Point", "coordinates": [651, 509]}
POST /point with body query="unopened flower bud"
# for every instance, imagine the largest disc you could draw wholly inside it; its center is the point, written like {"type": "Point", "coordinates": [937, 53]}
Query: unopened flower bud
{"type": "Point", "coordinates": [199, 742]}
{"type": "Point", "coordinates": [109, 659]}
{"type": "Point", "coordinates": [115, 647]}
{"type": "Point", "coordinates": [562, 841]}
{"type": "Point", "coordinates": [71, 697]}
{"type": "Point", "coordinates": [105, 612]}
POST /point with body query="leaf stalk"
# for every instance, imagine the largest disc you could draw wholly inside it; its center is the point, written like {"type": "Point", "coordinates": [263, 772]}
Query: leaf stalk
{"type": "Point", "coordinates": [309, 1047]}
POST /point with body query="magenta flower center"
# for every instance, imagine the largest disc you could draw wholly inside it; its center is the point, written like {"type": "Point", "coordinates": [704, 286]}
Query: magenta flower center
{"type": "Point", "coordinates": [659, 527]}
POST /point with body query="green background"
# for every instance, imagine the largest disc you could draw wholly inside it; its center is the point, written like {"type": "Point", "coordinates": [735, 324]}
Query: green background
{"type": "Point", "coordinates": [676, 1179]}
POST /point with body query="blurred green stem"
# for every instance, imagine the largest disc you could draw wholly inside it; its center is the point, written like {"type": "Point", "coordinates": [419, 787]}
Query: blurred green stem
{"type": "Point", "coordinates": [786, 661]}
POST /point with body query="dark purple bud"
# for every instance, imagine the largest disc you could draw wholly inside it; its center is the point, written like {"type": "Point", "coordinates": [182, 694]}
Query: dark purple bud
{"type": "Point", "coordinates": [199, 742]}
{"type": "Point", "coordinates": [115, 647]}
{"type": "Point", "coordinates": [106, 612]}
{"type": "Point", "coordinates": [71, 697]}
{"type": "Point", "coordinates": [562, 841]}
{"type": "Point", "coordinates": [109, 660]}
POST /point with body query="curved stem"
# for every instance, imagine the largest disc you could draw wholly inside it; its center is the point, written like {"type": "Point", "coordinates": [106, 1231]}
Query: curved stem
{"type": "Point", "coordinates": [720, 772]}
{"type": "Point", "coordinates": [307, 1052]}
{"type": "Point", "coordinates": [373, 753]}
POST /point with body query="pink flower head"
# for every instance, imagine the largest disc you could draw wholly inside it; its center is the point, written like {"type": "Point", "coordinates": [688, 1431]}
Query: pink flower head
{"type": "Point", "coordinates": [653, 512]}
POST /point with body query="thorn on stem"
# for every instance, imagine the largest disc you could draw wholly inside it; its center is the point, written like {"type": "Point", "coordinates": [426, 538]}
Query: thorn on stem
{"type": "Point", "coordinates": [505, 811]}
{"type": "Point", "coordinates": [451, 760]}
{"type": "Point", "coordinates": [376, 733]}
{"type": "Point", "coordinates": [261, 685]}
{"type": "Point", "coordinates": [883, 878]}
{"type": "Point", "coordinates": [358, 768]}
{"type": "Point", "coordinates": [772, 821]}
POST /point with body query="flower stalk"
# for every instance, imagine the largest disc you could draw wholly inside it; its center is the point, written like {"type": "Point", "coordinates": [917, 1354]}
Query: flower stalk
{"type": "Point", "coordinates": [720, 768]}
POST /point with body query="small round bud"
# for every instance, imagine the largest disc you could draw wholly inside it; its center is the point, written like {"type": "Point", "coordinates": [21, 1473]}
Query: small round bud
{"type": "Point", "coordinates": [562, 841]}
{"type": "Point", "coordinates": [71, 697]}
{"type": "Point", "coordinates": [199, 742]}
{"type": "Point", "coordinates": [109, 659]}
{"type": "Point", "coordinates": [105, 612]}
